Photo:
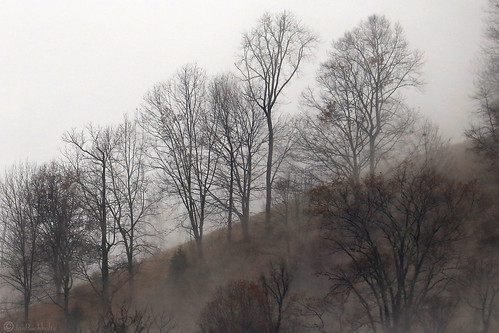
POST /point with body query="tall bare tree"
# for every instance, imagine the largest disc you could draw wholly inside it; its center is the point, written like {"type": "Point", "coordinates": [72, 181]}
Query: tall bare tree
{"type": "Point", "coordinates": [89, 155]}
{"type": "Point", "coordinates": [22, 253]}
{"type": "Point", "coordinates": [132, 193]}
{"type": "Point", "coordinates": [361, 114]}
{"type": "Point", "coordinates": [225, 101]}
{"type": "Point", "coordinates": [272, 53]}
{"type": "Point", "coordinates": [175, 115]}
{"type": "Point", "coordinates": [240, 134]}
{"type": "Point", "coordinates": [64, 231]}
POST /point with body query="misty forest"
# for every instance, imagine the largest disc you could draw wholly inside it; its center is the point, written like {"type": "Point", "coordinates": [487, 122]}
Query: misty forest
{"type": "Point", "coordinates": [351, 215]}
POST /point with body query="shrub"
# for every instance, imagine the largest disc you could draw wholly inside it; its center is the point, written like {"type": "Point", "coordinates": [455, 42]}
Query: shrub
{"type": "Point", "coordinates": [178, 265]}
{"type": "Point", "coordinates": [239, 307]}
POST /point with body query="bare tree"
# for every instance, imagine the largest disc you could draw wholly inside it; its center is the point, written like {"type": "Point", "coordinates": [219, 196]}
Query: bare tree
{"type": "Point", "coordinates": [134, 320]}
{"type": "Point", "coordinates": [245, 306]}
{"type": "Point", "coordinates": [175, 115]}
{"type": "Point", "coordinates": [394, 240]}
{"type": "Point", "coordinates": [361, 113]}
{"type": "Point", "coordinates": [286, 195]}
{"type": "Point", "coordinates": [19, 209]}
{"type": "Point", "coordinates": [64, 231]}
{"type": "Point", "coordinates": [240, 135]}
{"type": "Point", "coordinates": [484, 134]}
{"type": "Point", "coordinates": [225, 101]}
{"type": "Point", "coordinates": [425, 145]}
{"type": "Point", "coordinates": [276, 286]}
{"type": "Point", "coordinates": [290, 197]}
{"type": "Point", "coordinates": [134, 197]}
{"type": "Point", "coordinates": [440, 313]}
{"type": "Point", "coordinates": [482, 282]}
{"type": "Point", "coordinates": [330, 148]}
{"type": "Point", "coordinates": [89, 155]}
{"type": "Point", "coordinates": [239, 307]}
{"type": "Point", "coordinates": [271, 55]}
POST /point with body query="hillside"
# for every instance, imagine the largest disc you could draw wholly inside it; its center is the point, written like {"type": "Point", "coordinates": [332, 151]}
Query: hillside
{"type": "Point", "coordinates": [183, 299]}
{"type": "Point", "coordinates": [176, 302]}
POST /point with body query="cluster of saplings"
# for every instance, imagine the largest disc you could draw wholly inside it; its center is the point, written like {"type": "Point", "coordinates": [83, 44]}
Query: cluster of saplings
{"type": "Point", "coordinates": [391, 219]}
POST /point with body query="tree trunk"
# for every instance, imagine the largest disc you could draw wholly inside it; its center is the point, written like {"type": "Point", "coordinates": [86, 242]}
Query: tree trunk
{"type": "Point", "coordinates": [199, 247]}
{"type": "Point", "coordinates": [66, 303]}
{"type": "Point", "coordinates": [27, 299]}
{"type": "Point", "coordinates": [356, 171]}
{"type": "Point", "coordinates": [372, 153]}
{"type": "Point", "coordinates": [231, 203]}
{"type": "Point", "coordinates": [104, 247]}
{"type": "Point", "coordinates": [105, 273]}
{"type": "Point", "coordinates": [246, 199]}
{"type": "Point", "coordinates": [268, 179]}
{"type": "Point", "coordinates": [131, 280]}
{"type": "Point", "coordinates": [57, 283]}
{"type": "Point", "coordinates": [245, 224]}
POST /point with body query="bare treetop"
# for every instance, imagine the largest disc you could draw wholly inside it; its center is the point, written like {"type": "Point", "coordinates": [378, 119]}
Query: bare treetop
{"type": "Point", "coordinates": [271, 55]}
{"type": "Point", "coordinates": [378, 51]}
{"type": "Point", "coordinates": [361, 113]}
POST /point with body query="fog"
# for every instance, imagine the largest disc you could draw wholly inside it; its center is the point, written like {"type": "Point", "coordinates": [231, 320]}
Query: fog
{"type": "Point", "coordinates": [372, 204]}
{"type": "Point", "coordinates": [65, 64]}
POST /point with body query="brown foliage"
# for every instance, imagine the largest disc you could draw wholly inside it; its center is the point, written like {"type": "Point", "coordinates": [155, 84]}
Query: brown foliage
{"type": "Point", "coordinates": [239, 307]}
{"type": "Point", "coordinates": [394, 238]}
{"type": "Point", "coordinates": [132, 320]}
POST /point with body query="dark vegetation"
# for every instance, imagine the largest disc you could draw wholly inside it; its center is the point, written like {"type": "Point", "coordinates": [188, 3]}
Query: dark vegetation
{"type": "Point", "coordinates": [372, 223]}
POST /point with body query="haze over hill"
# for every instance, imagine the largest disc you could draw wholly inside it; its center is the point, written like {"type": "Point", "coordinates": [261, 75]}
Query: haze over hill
{"type": "Point", "coordinates": [174, 297]}
{"type": "Point", "coordinates": [65, 64]}
{"type": "Point", "coordinates": [307, 194]}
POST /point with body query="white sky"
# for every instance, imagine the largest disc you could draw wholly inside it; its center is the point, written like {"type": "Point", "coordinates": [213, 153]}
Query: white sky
{"type": "Point", "coordinates": [66, 63]}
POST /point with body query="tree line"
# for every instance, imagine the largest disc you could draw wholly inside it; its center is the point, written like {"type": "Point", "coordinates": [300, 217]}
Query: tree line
{"type": "Point", "coordinates": [215, 143]}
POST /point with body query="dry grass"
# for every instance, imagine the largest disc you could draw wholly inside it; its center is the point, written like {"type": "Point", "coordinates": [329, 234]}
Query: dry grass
{"type": "Point", "coordinates": [224, 261]}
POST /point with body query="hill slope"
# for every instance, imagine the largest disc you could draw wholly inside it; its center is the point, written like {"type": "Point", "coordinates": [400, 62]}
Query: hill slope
{"type": "Point", "coordinates": [176, 301]}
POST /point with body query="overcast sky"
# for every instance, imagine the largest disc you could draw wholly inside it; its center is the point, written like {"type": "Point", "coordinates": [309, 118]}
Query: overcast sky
{"type": "Point", "coordinates": [66, 63]}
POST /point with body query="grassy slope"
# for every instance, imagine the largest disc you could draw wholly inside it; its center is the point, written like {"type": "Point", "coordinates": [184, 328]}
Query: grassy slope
{"type": "Point", "coordinates": [223, 261]}
{"type": "Point", "coordinates": [226, 261]}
